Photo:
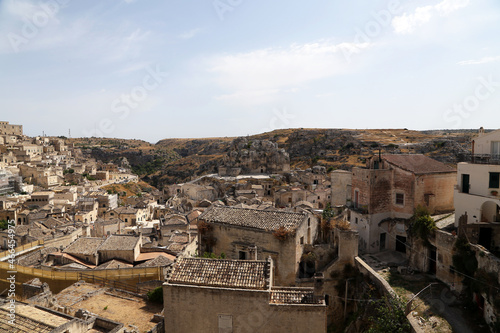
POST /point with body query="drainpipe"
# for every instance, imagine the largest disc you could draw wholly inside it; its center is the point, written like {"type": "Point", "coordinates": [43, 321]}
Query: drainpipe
{"type": "Point", "coordinates": [473, 142]}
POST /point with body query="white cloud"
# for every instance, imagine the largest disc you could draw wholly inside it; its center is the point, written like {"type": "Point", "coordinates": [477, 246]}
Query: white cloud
{"type": "Point", "coordinates": [481, 61]}
{"type": "Point", "coordinates": [273, 69]}
{"type": "Point", "coordinates": [407, 23]}
{"type": "Point", "coordinates": [190, 34]}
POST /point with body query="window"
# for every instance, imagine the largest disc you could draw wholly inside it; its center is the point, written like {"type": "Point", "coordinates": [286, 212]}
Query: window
{"type": "Point", "coordinates": [400, 199]}
{"type": "Point", "coordinates": [495, 149]}
{"type": "Point", "coordinates": [356, 220]}
{"type": "Point", "coordinates": [225, 323]}
{"type": "Point", "coordinates": [494, 179]}
{"type": "Point", "coordinates": [302, 240]}
{"type": "Point", "coordinates": [242, 255]}
{"type": "Point", "coordinates": [356, 199]}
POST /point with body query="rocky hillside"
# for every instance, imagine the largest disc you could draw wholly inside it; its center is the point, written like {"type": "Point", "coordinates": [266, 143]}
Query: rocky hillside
{"type": "Point", "coordinates": [178, 160]}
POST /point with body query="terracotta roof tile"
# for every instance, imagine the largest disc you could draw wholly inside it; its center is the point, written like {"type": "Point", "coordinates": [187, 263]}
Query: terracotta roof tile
{"type": "Point", "coordinates": [291, 296]}
{"type": "Point", "coordinates": [119, 242]}
{"type": "Point", "coordinates": [417, 163]}
{"type": "Point", "coordinates": [158, 261]}
{"type": "Point", "coordinates": [84, 246]}
{"type": "Point", "coordinates": [242, 274]}
{"type": "Point", "coordinates": [253, 218]}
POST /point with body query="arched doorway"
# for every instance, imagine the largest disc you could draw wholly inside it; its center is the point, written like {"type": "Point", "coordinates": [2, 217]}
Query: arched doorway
{"type": "Point", "coordinates": [490, 212]}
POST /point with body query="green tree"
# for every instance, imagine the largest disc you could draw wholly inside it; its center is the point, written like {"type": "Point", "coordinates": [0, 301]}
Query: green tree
{"type": "Point", "coordinates": [156, 295]}
{"type": "Point", "coordinates": [328, 212]}
{"type": "Point", "coordinates": [423, 224]}
{"type": "Point", "coordinates": [3, 224]}
{"type": "Point", "coordinates": [390, 317]}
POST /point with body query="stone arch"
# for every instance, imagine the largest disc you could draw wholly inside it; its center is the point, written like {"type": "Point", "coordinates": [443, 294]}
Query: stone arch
{"type": "Point", "coordinates": [490, 212]}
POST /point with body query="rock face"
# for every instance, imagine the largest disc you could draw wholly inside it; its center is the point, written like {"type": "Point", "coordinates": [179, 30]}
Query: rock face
{"type": "Point", "coordinates": [254, 156]}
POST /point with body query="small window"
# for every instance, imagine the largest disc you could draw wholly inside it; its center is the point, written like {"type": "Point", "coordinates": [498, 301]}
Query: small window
{"type": "Point", "coordinates": [302, 240]}
{"type": "Point", "coordinates": [225, 323]}
{"type": "Point", "coordinates": [356, 220]}
{"type": "Point", "coordinates": [400, 199]}
{"type": "Point", "coordinates": [242, 255]}
{"type": "Point", "coordinates": [494, 179]}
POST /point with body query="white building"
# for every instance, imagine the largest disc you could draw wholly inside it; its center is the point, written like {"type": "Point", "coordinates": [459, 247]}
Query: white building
{"type": "Point", "coordinates": [478, 188]}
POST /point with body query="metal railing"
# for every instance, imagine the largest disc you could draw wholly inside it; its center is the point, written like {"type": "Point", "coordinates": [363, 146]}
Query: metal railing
{"type": "Point", "coordinates": [485, 159]}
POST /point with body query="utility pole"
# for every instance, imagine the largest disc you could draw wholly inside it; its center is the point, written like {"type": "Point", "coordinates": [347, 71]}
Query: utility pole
{"type": "Point", "coordinates": [345, 298]}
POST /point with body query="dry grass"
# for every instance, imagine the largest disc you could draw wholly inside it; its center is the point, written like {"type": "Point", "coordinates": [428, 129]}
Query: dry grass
{"type": "Point", "coordinates": [128, 312]}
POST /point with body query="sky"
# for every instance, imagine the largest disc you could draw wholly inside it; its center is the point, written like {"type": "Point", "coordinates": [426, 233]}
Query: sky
{"type": "Point", "coordinates": [151, 69]}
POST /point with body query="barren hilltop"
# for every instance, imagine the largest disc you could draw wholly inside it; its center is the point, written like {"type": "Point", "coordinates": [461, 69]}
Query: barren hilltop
{"type": "Point", "coordinates": [179, 160]}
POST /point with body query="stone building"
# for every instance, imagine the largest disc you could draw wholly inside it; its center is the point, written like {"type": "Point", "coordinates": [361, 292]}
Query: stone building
{"type": "Point", "coordinates": [341, 187]}
{"type": "Point", "coordinates": [386, 192]}
{"type": "Point", "coordinates": [122, 247]}
{"type": "Point", "coordinates": [8, 129]}
{"type": "Point", "coordinates": [86, 249]}
{"type": "Point", "coordinates": [243, 233]}
{"type": "Point", "coordinates": [129, 215]}
{"type": "Point", "coordinates": [478, 191]}
{"type": "Point", "coordinates": [233, 296]}
{"type": "Point", "coordinates": [106, 228]}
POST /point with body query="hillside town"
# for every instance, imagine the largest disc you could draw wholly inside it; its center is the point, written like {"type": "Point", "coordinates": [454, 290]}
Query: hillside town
{"type": "Point", "coordinates": [258, 246]}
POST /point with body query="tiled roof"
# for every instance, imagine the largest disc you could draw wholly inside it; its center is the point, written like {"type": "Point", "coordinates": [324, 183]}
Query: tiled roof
{"type": "Point", "coordinates": [101, 221]}
{"type": "Point", "coordinates": [243, 274]}
{"type": "Point", "coordinates": [114, 263]}
{"type": "Point", "coordinates": [417, 163]}
{"type": "Point", "coordinates": [152, 255]}
{"type": "Point", "coordinates": [158, 261]}
{"type": "Point", "coordinates": [119, 242]}
{"type": "Point", "coordinates": [84, 246]}
{"type": "Point", "coordinates": [125, 210]}
{"type": "Point", "coordinates": [179, 238]}
{"type": "Point", "coordinates": [295, 296]}
{"type": "Point", "coordinates": [253, 218]}
{"type": "Point", "coordinates": [176, 247]}
{"type": "Point", "coordinates": [22, 324]}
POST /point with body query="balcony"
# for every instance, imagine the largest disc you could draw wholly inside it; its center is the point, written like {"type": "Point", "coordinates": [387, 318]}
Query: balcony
{"type": "Point", "coordinates": [361, 209]}
{"type": "Point", "coordinates": [485, 159]}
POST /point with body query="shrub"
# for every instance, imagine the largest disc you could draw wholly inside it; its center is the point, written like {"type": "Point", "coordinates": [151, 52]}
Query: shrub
{"type": "Point", "coordinates": [390, 317]}
{"type": "Point", "coordinates": [282, 234]}
{"type": "Point", "coordinates": [423, 224]}
{"type": "Point", "coordinates": [156, 295]}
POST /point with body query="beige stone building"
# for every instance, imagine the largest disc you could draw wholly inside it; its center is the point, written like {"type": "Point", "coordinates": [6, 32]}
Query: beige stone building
{"type": "Point", "coordinates": [243, 233]}
{"type": "Point", "coordinates": [341, 181]}
{"type": "Point", "coordinates": [123, 247]}
{"type": "Point", "coordinates": [8, 129]}
{"type": "Point", "coordinates": [386, 192]}
{"type": "Point", "coordinates": [86, 249]}
{"type": "Point", "coordinates": [128, 214]}
{"type": "Point", "coordinates": [236, 296]}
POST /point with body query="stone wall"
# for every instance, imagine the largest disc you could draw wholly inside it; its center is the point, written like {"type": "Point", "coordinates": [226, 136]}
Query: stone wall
{"type": "Point", "coordinates": [201, 309]}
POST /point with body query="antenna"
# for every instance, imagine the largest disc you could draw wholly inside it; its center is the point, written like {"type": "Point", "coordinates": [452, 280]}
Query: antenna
{"type": "Point", "coordinates": [69, 133]}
